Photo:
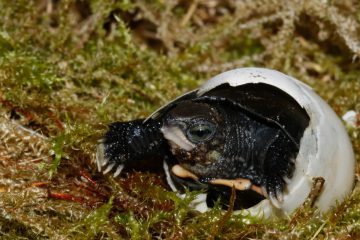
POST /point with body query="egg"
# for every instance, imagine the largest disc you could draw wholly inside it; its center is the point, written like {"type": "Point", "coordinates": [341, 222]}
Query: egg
{"type": "Point", "coordinates": [257, 130]}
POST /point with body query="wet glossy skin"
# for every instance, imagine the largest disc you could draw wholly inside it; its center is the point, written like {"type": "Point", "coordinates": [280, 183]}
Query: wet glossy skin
{"type": "Point", "coordinates": [220, 135]}
{"type": "Point", "coordinates": [241, 147]}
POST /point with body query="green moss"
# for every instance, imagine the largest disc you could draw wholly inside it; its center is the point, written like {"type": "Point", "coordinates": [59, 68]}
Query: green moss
{"type": "Point", "coordinates": [67, 68]}
{"type": "Point", "coordinates": [94, 222]}
{"type": "Point", "coordinates": [238, 47]}
{"type": "Point", "coordinates": [58, 144]}
{"type": "Point", "coordinates": [141, 228]}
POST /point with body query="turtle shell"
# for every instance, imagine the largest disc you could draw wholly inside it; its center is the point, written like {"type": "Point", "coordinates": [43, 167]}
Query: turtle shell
{"type": "Point", "coordinates": [261, 100]}
{"type": "Point", "coordinates": [324, 149]}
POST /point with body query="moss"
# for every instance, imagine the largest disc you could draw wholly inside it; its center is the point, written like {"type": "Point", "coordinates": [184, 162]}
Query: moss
{"type": "Point", "coordinates": [94, 223]}
{"type": "Point", "coordinates": [67, 68]}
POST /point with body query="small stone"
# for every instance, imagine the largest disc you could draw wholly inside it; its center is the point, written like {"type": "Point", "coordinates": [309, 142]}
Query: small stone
{"type": "Point", "coordinates": [350, 117]}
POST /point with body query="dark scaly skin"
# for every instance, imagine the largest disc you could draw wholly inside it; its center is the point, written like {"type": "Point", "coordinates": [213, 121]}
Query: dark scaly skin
{"type": "Point", "coordinates": [247, 144]}
{"type": "Point", "coordinates": [248, 148]}
{"type": "Point", "coordinates": [257, 151]}
{"type": "Point", "coordinates": [132, 142]}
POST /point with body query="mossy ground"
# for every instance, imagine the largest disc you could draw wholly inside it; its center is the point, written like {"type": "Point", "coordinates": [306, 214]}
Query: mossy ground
{"type": "Point", "coordinates": [67, 68]}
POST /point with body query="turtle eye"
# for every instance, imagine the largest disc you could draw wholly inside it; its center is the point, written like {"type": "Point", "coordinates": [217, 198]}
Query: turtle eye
{"type": "Point", "coordinates": [200, 132]}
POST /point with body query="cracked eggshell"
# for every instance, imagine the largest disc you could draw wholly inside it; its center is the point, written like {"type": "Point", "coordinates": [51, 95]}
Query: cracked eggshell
{"type": "Point", "coordinates": [325, 148]}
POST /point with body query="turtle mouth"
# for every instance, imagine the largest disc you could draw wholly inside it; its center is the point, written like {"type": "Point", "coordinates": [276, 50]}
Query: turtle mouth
{"type": "Point", "coordinates": [247, 194]}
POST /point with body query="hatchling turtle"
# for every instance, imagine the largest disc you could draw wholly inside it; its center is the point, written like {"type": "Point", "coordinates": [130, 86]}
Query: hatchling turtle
{"type": "Point", "coordinates": [260, 131]}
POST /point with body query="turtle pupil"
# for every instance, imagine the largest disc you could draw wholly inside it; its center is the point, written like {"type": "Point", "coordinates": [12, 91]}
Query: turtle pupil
{"type": "Point", "coordinates": [200, 132]}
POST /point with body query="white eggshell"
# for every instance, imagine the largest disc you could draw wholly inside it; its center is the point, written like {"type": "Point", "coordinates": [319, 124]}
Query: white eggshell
{"type": "Point", "coordinates": [325, 148]}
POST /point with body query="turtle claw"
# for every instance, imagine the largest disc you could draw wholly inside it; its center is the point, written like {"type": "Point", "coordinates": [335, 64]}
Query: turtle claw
{"type": "Point", "coordinates": [274, 200]}
{"type": "Point", "coordinates": [101, 160]}
{"type": "Point", "coordinates": [279, 196]}
{"type": "Point", "coordinates": [274, 190]}
{"type": "Point", "coordinates": [118, 170]}
{"type": "Point", "coordinates": [109, 168]}
{"type": "Point", "coordinates": [127, 144]}
{"type": "Point", "coordinates": [115, 150]}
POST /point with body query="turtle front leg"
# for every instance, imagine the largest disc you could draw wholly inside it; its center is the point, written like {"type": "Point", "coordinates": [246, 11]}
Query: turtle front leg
{"type": "Point", "coordinates": [129, 143]}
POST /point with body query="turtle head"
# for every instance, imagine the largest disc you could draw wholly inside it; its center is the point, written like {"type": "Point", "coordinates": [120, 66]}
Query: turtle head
{"type": "Point", "coordinates": [195, 135]}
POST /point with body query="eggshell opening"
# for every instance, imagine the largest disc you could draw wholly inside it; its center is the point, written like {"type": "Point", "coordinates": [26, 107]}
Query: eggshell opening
{"type": "Point", "coordinates": [325, 149]}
